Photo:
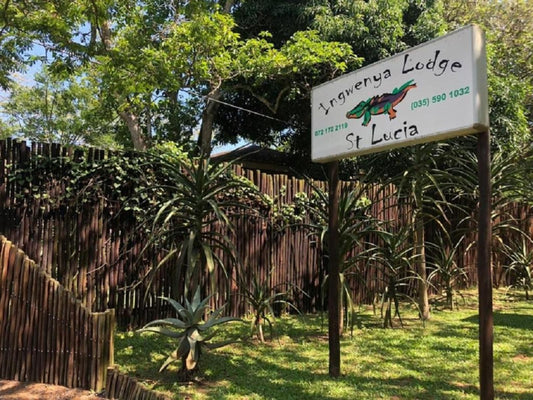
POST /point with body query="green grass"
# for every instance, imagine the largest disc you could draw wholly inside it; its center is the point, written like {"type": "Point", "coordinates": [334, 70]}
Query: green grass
{"type": "Point", "coordinates": [438, 361]}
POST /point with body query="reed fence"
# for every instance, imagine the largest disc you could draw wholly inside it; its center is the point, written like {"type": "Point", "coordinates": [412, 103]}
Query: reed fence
{"type": "Point", "coordinates": [122, 387]}
{"type": "Point", "coordinates": [46, 335]}
{"type": "Point", "coordinates": [96, 254]}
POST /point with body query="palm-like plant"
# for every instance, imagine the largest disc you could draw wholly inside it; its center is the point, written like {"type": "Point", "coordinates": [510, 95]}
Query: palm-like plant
{"type": "Point", "coordinates": [199, 193]}
{"type": "Point", "coordinates": [262, 296]}
{"type": "Point", "coordinates": [446, 273]}
{"type": "Point", "coordinates": [191, 331]}
{"type": "Point", "coordinates": [422, 183]}
{"type": "Point", "coordinates": [355, 223]}
{"type": "Point", "coordinates": [520, 266]}
{"type": "Point", "coordinates": [395, 256]}
{"type": "Point", "coordinates": [509, 184]}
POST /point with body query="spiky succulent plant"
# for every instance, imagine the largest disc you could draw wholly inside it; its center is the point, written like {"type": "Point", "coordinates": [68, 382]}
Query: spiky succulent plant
{"type": "Point", "coordinates": [190, 329]}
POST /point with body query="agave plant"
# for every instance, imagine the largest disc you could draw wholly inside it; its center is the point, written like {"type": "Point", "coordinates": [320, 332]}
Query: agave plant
{"type": "Point", "coordinates": [191, 331]}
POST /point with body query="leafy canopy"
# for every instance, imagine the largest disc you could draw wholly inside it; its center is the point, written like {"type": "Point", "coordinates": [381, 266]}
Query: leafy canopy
{"type": "Point", "coordinates": [158, 64]}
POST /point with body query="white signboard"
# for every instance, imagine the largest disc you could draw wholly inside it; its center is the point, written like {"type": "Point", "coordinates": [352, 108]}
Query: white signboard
{"type": "Point", "coordinates": [430, 92]}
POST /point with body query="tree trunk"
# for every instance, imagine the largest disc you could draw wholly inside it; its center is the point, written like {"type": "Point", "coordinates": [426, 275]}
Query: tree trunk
{"type": "Point", "coordinates": [208, 120]}
{"type": "Point", "coordinates": [387, 321]}
{"type": "Point", "coordinates": [342, 313]}
{"type": "Point", "coordinates": [228, 6]}
{"type": "Point", "coordinates": [420, 248]}
{"type": "Point", "coordinates": [209, 113]}
{"type": "Point", "coordinates": [131, 120]}
{"type": "Point", "coordinates": [449, 299]}
{"type": "Point", "coordinates": [134, 127]}
{"type": "Point", "coordinates": [260, 334]}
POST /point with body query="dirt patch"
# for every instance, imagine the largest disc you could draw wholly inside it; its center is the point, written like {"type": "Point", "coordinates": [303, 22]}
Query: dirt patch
{"type": "Point", "coordinates": [14, 390]}
{"type": "Point", "coordinates": [521, 357]}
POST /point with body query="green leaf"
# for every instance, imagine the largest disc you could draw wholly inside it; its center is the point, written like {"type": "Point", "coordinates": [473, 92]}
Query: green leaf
{"type": "Point", "coordinates": [213, 322]}
{"type": "Point", "coordinates": [171, 358]}
{"type": "Point", "coordinates": [163, 331]}
{"type": "Point", "coordinates": [213, 346]}
{"type": "Point", "coordinates": [174, 322]}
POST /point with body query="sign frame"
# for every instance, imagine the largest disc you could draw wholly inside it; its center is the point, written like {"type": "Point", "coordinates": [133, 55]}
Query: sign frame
{"type": "Point", "coordinates": [433, 91]}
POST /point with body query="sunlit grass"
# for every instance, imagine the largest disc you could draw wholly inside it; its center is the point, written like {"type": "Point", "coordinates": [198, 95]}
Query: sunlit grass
{"type": "Point", "coordinates": [438, 361]}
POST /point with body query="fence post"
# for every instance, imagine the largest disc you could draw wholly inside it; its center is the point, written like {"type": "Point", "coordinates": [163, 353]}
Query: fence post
{"type": "Point", "coordinates": [105, 323]}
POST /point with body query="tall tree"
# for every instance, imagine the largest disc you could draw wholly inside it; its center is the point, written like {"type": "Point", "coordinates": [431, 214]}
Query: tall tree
{"type": "Point", "coordinates": [51, 110]}
{"type": "Point", "coordinates": [150, 58]}
{"type": "Point", "coordinates": [13, 41]}
{"type": "Point", "coordinates": [508, 26]}
{"type": "Point", "coordinates": [5, 130]}
{"type": "Point", "coordinates": [373, 29]}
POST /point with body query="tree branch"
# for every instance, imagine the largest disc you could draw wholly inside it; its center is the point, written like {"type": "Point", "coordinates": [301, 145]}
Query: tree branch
{"type": "Point", "coordinates": [4, 17]}
{"type": "Point", "coordinates": [228, 5]}
{"type": "Point", "coordinates": [272, 107]}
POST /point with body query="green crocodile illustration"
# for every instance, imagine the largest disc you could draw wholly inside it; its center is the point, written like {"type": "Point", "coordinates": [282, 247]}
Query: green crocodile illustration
{"type": "Point", "coordinates": [382, 104]}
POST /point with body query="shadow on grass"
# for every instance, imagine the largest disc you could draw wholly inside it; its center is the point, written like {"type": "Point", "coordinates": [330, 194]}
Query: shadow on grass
{"type": "Point", "coordinates": [252, 376]}
{"type": "Point", "coordinates": [276, 371]}
{"type": "Point", "coordinates": [509, 320]}
{"type": "Point", "coordinates": [144, 357]}
{"type": "Point", "coordinates": [309, 326]}
{"type": "Point", "coordinates": [255, 377]}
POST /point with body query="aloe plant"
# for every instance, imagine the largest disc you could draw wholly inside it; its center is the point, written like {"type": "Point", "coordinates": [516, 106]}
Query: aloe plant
{"type": "Point", "coordinates": [198, 193]}
{"type": "Point", "coordinates": [191, 330]}
{"type": "Point", "coordinates": [355, 223]}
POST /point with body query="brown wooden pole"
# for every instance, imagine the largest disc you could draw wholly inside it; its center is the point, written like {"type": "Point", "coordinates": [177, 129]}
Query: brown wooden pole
{"type": "Point", "coordinates": [486, 360]}
{"type": "Point", "coordinates": [333, 274]}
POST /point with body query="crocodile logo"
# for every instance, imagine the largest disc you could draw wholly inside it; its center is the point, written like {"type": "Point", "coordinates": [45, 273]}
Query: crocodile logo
{"type": "Point", "coordinates": [382, 104]}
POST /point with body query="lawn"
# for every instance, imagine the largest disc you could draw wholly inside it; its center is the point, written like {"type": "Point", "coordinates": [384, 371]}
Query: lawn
{"type": "Point", "coordinates": [438, 361]}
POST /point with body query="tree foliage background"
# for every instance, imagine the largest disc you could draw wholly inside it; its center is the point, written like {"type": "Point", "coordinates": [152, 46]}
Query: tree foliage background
{"type": "Point", "coordinates": [130, 74]}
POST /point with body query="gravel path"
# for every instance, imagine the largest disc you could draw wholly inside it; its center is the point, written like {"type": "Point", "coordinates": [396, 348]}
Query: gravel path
{"type": "Point", "coordinates": [14, 390]}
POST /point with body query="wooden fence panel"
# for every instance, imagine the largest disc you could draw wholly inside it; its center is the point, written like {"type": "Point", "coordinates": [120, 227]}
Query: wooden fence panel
{"type": "Point", "coordinates": [95, 256]}
{"type": "Point", "coordinates": [122, 387]}
{"type": "Point", "coordinates": [46, 334]}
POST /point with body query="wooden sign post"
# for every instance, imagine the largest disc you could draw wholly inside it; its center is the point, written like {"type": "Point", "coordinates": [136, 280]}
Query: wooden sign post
{"type": "Point", "coordinates": [333, 272]}
{"type": "Point", "coordinates": [486, 362]}
{"type": "Point", "coordinates": [430, 92]}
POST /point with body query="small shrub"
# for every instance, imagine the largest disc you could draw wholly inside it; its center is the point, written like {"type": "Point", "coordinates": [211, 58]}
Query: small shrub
{"type": "Point", "coordinates": [394, 255]}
